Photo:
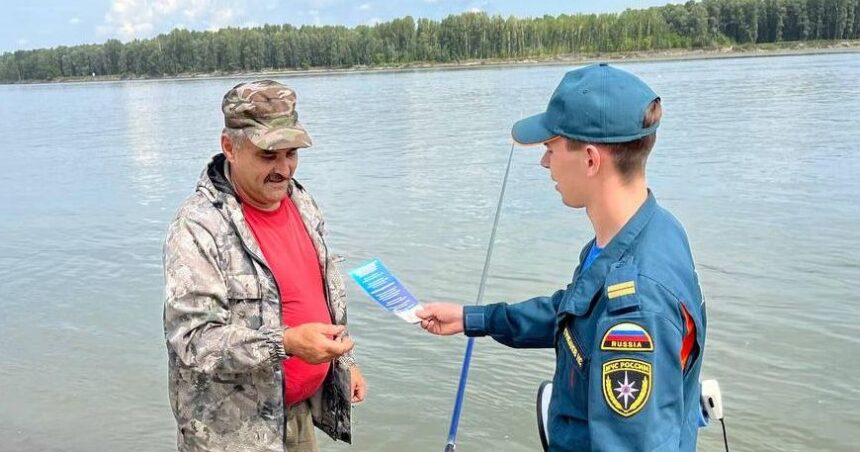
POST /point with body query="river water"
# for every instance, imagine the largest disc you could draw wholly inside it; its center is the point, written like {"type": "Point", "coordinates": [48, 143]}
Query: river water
{"type": "Point", "coordinates": [756, 156]}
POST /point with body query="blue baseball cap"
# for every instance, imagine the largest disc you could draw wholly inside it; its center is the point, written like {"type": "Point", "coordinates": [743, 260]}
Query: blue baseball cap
{"type": "Point", "coordinates": [593, 104]}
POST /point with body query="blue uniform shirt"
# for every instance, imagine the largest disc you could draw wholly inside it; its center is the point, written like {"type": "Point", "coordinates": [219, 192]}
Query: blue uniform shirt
{"type": "Point", "coordinates": [618, 330]}
{"type": "Point", "coordinates": [593, 252]}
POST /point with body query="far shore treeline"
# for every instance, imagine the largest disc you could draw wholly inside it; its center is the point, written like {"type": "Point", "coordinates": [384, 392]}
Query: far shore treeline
{"type": "Point", "coordinates": [457, 38]}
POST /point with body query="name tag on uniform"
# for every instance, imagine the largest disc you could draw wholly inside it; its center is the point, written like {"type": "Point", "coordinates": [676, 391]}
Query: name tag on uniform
{"type": "Point", "coordinates": [573, 346]}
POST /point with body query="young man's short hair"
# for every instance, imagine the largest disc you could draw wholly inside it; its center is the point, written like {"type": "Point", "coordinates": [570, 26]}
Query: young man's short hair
{"type": "Point", "coordinates": [630, 157]}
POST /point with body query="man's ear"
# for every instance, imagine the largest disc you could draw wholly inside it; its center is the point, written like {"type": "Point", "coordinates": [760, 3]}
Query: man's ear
{"type": "Point", "coordinates": [594, 159]}
{"type": "Point", "coordinates": [227, 148]}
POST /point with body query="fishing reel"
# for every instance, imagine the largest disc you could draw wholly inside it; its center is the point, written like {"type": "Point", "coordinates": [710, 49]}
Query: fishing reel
{"type": "Point", "coordinates": [712, 405]}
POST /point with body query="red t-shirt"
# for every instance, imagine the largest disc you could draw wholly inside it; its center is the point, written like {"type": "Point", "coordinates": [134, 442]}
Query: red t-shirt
{"type": "Point", "coordinates": [290, 254]}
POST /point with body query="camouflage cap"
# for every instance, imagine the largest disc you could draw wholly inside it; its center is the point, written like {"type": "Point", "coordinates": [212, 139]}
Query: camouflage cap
{"type": "Point", "coordinates": [265, 110]}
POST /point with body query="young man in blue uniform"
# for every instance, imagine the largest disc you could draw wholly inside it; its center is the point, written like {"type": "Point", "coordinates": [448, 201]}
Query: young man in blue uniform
{"type": "Point", "coordinates": [629, 330]}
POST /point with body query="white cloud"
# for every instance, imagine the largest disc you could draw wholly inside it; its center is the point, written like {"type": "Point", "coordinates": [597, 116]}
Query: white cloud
{"type": "Point", "coordinates": [474, 10]}
{"type": "Point", "coordinates": [132, 19]}
{"type": "Point", "coordinates": [321, 4]}
{"type": "Point", "coordinates": [74, 21]}
{"type": "Point", "coordinates": [316, 17]}
{"type": "Point", "coordinates": [165, 7]}
{"type": "Point", "coordinates": [374, 21]}
{"type": "Point", "coordinates": [140, 19]}
{"type": "Point", "coordinates": [22, 41]}
{"type": "Point", "coordinates": [128, 19]}
{"type": "Point", "coordinates": [222, 18]}
{"type": "Point", "coordinates": [194, 9]}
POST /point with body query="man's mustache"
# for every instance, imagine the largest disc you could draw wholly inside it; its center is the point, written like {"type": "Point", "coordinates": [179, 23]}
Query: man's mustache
{"type": "Point", "coordinates": [276, 178]}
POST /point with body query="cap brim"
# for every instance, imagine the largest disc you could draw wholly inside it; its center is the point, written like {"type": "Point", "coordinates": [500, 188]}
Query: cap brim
{"type": "Point", "coordinates": [531, 131]}
{"type": "Point", "coordinates": [272, 138]}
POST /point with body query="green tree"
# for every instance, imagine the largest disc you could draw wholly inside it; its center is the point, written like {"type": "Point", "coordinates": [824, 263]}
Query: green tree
{"type": "Point", "coordinates": [460, 37]}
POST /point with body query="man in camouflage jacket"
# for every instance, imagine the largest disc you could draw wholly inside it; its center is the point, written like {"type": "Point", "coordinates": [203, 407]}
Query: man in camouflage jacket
{"type": "Point", "coordinates": [222, 314]}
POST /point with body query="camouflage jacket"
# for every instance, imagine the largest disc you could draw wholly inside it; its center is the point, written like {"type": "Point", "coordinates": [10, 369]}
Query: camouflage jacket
{"type": "Point", "coordinates": [222, 323]}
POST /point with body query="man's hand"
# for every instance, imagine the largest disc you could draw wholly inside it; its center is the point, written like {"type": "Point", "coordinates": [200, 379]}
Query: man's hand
{"type": "Point", "coordinates": [358, 385]}
{"type": "Point", "coordinates": [317, 342]}
{"type": "Point", "coordinates": [443, 319]}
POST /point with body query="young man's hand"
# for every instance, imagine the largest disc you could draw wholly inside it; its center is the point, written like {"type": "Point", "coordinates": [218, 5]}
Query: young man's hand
{"type": "Point", "coordinates": [317, 342]}
{"type": "Point", "coordinates": [443, 319]}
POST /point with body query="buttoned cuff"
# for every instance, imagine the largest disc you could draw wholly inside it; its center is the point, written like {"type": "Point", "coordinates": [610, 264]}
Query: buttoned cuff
{"type": "Point", "coordinates": [474, 321]}
{"type": "Point", "coordinates": [275, 341]}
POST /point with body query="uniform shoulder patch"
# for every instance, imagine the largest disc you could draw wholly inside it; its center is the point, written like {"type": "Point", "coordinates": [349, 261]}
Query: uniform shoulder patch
{"type": "Point", "coordinates": [626, 385]}
{"type": "Point", "coordinates": [627, 337]}
{"type": "Point", "coordinates": [622, 287]}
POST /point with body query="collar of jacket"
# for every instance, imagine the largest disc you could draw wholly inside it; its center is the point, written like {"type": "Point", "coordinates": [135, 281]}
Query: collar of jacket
{"type": "Point", "coordinates": [585, 286]}
{"type": "Point", "coordinates": [216, 186]}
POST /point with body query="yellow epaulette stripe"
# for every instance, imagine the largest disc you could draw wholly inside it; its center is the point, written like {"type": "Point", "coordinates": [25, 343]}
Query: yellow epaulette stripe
{"type": "Point", "coordinates": [621, 293]}
{"type": "Point", "coordinates": [621, 289]}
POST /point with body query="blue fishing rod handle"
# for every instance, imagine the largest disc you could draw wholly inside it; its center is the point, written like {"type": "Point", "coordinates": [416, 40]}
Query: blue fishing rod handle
{"type": "Point", "coordinates": [461, 392]}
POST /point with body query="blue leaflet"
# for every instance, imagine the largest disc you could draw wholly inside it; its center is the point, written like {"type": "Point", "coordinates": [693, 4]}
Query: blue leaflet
{"type": "Point", "coordinates": [384, 288]}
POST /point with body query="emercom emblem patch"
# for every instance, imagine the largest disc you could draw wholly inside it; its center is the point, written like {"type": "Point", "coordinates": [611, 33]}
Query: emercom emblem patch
{"type": "Point", "coordinates": [627, 337]}
{"type": "Point", "coordinates": [626, 385]}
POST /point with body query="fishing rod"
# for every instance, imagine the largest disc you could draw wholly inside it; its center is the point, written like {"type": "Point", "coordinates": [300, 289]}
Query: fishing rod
{"type": "Point", "coordinates": [470, 345]}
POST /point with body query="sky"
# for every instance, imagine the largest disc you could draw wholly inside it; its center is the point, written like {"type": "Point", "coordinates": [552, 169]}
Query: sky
{"type": "Point", "coordinates": [32, 24]}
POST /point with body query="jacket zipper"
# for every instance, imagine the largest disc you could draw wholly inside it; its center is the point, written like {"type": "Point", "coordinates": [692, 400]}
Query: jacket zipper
{"type": "Point", "coordinates": [280, 317]}
{"type": "Point", "coordinates": [337, 415]}
{"type": "Point", "coordinates": [263, 264]}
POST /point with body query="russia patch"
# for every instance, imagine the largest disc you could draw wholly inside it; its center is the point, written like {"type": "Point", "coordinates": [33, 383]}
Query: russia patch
{"type": "Point", "coordinates": [626, 385]}
{"type": "Point", "coordinates": [627, 337]}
